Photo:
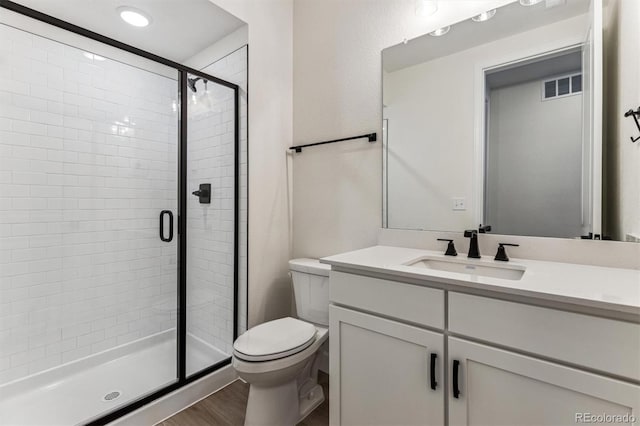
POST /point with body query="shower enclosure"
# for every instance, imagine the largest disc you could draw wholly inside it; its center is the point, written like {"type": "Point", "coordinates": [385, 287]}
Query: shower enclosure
{"type": "Point", "coordinates": [118, 284]}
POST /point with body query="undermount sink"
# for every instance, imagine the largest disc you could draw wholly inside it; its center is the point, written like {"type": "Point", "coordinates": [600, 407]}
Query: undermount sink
{"type": "Point", "coordinates": [470, 267]}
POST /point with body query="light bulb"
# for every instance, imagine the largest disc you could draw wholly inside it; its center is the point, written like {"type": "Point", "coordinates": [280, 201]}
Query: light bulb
{"type": "Point", "coordinates": [484, 16]}
{"type": "Point", "coordinates": [440, 31]}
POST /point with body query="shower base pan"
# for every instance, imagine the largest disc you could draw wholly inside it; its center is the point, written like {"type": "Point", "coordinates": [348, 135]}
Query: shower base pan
{"type": "Point", "coordinates": [87, 388]}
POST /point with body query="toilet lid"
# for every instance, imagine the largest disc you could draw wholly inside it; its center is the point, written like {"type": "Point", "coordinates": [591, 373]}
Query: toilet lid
{"type": "Point", "coordinates": [274, 339]}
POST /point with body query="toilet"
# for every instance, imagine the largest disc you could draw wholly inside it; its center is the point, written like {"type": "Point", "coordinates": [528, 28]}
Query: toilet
{"type": "Point", "coordinates": [279, 358]}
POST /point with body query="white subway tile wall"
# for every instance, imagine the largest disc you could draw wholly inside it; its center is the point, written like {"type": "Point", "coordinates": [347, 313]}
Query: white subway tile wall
{"type": "Point", "coordinates": [233, 68]}
{"type": "Point", "coordinates": [88, 159]}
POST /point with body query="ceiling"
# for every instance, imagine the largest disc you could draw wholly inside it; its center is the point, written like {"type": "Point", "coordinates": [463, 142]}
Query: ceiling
{"type": "Point", "coordinates": [179, 28]}
{"type": "Point", "coordinates": [508, 20]}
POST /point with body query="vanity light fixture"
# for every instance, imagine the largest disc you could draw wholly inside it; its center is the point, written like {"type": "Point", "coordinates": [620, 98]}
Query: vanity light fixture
{"type": "Point", "coordinates": [134, 17]}
{"type": "Point", "coordinates": [530, 2]}
{"type": "Point", "coordinates": [484, 16]}
{"type": "Point", "coordinates": [426, 7]}
{"type": "Point", "coordinates": [440, 31]}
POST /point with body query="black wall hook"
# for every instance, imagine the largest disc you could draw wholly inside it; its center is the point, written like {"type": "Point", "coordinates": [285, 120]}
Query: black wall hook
{"type": "Point", "coordinates": [635, 114]}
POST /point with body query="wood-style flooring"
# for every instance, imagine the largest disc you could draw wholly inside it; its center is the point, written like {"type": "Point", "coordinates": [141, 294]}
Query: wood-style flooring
{"type": "Point", "coordinates": [227, 406]}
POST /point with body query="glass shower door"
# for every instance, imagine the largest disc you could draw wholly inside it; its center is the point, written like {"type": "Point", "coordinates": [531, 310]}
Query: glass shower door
{"type": "Point", "coordinates": [88, 277]}
{"type": "Point", "coordinates": [211, 222]}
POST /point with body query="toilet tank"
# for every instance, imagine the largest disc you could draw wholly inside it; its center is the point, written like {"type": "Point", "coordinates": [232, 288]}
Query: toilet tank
{"type": "Point", "coordinates": [311, 290]}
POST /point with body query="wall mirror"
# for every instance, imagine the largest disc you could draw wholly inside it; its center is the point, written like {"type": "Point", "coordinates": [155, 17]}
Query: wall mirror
{"type": "Point", "coordinates": [498, 120]}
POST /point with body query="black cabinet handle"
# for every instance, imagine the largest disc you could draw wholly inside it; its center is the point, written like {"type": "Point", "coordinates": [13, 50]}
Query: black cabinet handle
{"type": "Point", "coordinates": [456, 386]}
{"type": "Point", "coordinates": [162, 213]}
{"type": "Point", "coordinates": [434, 384]}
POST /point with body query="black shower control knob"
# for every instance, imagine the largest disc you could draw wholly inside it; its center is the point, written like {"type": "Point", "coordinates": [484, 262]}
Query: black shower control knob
{"type": "Point", "coordinates": [204, 193]}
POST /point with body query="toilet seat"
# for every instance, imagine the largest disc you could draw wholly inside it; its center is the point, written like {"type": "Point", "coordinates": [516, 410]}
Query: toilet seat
{"type": "Point", "coordinates": [250, 367]}
{"type": "Point", "coordinates": [274, 340]}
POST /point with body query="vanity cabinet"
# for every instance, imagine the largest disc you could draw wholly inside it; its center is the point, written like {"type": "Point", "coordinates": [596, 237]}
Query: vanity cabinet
{"type": "Point", "coordinates": [499, 387]}
{"type": "Point", "coordinates": [506, 363]}
{"type": "Point", "coordinates": [384, 372]}
{"type": "Point", "coordinates": [577, 339]}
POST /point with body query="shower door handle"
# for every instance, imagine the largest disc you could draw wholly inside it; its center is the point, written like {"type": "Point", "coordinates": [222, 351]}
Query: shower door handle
{"type": "Point", "coordinates": [162, 214]}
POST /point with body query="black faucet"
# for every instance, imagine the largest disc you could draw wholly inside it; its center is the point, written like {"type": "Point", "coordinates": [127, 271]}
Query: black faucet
{"type": "Point", "coordinates": [474, 252]}
{"type": "Point", "coordinates": [501, 255]}
{"type": "Point", "coordinates": [451, 248]}
{"type": "Point", "coordinates": [484, 229]}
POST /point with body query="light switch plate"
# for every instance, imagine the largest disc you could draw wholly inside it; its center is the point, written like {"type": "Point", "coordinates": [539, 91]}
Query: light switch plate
{"type": "Point", "coordinates": [459, 204]}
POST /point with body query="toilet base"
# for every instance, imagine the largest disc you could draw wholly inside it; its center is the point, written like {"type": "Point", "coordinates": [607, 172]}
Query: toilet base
{"type": "Point", "coordinates": [310, 402]}
{"type": "Point", "coordinates": [277, 406]}
{"type": "Point", "coordinates": [282, 405]}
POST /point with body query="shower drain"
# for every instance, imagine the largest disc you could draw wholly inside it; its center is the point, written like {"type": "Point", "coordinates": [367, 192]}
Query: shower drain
{"type": "Point", "coordinates": [111, 396]}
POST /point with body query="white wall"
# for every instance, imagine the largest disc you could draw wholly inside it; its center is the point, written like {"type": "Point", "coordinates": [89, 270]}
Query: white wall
{"type": "Point", "coordinates": [270, 132]}
{"type": "Point", "coordinates": [534, 163]}
{"type": "Point", "coordinates": [430, 132]}
{"type": "Point", "coordinates": [219, 49]}
{"type": "Point", "coordinates": [431, 109]}
{"type": "Point", "coordinates": [337, 203]}
{"type": "Point", "coordinates": [88, 157]}
{"type": "Point", "coordinates": [622, 70]}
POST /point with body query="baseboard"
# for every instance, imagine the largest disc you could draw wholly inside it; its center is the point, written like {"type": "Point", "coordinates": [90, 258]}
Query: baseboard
{"type": "Point", "coordinates": [178, 400]}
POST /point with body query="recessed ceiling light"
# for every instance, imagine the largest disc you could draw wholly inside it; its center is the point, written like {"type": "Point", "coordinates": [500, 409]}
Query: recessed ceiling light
{"type": "Point", "coordinates": [484, 16]}
{"type": "Point", "coordinates": [440, 31]}
{"type": "Point", "coordinates": [133, 16]}
{"type": "Point", "coordinates": [530, 2]}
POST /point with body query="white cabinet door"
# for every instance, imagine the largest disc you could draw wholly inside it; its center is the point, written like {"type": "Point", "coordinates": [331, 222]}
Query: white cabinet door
{"type": "Point", "coordinates": [498, 387]}
{"type": "Point", "coordinates": [384, 372]}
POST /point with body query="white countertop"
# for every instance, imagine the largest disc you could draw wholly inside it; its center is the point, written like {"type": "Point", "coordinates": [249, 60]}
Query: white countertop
{"type": "Point", "coordinates": [592, 286]}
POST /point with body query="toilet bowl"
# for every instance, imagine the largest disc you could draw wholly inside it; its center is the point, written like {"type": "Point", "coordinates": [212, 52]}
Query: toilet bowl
{"type": "Point", "coordinates": [279, 358]}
